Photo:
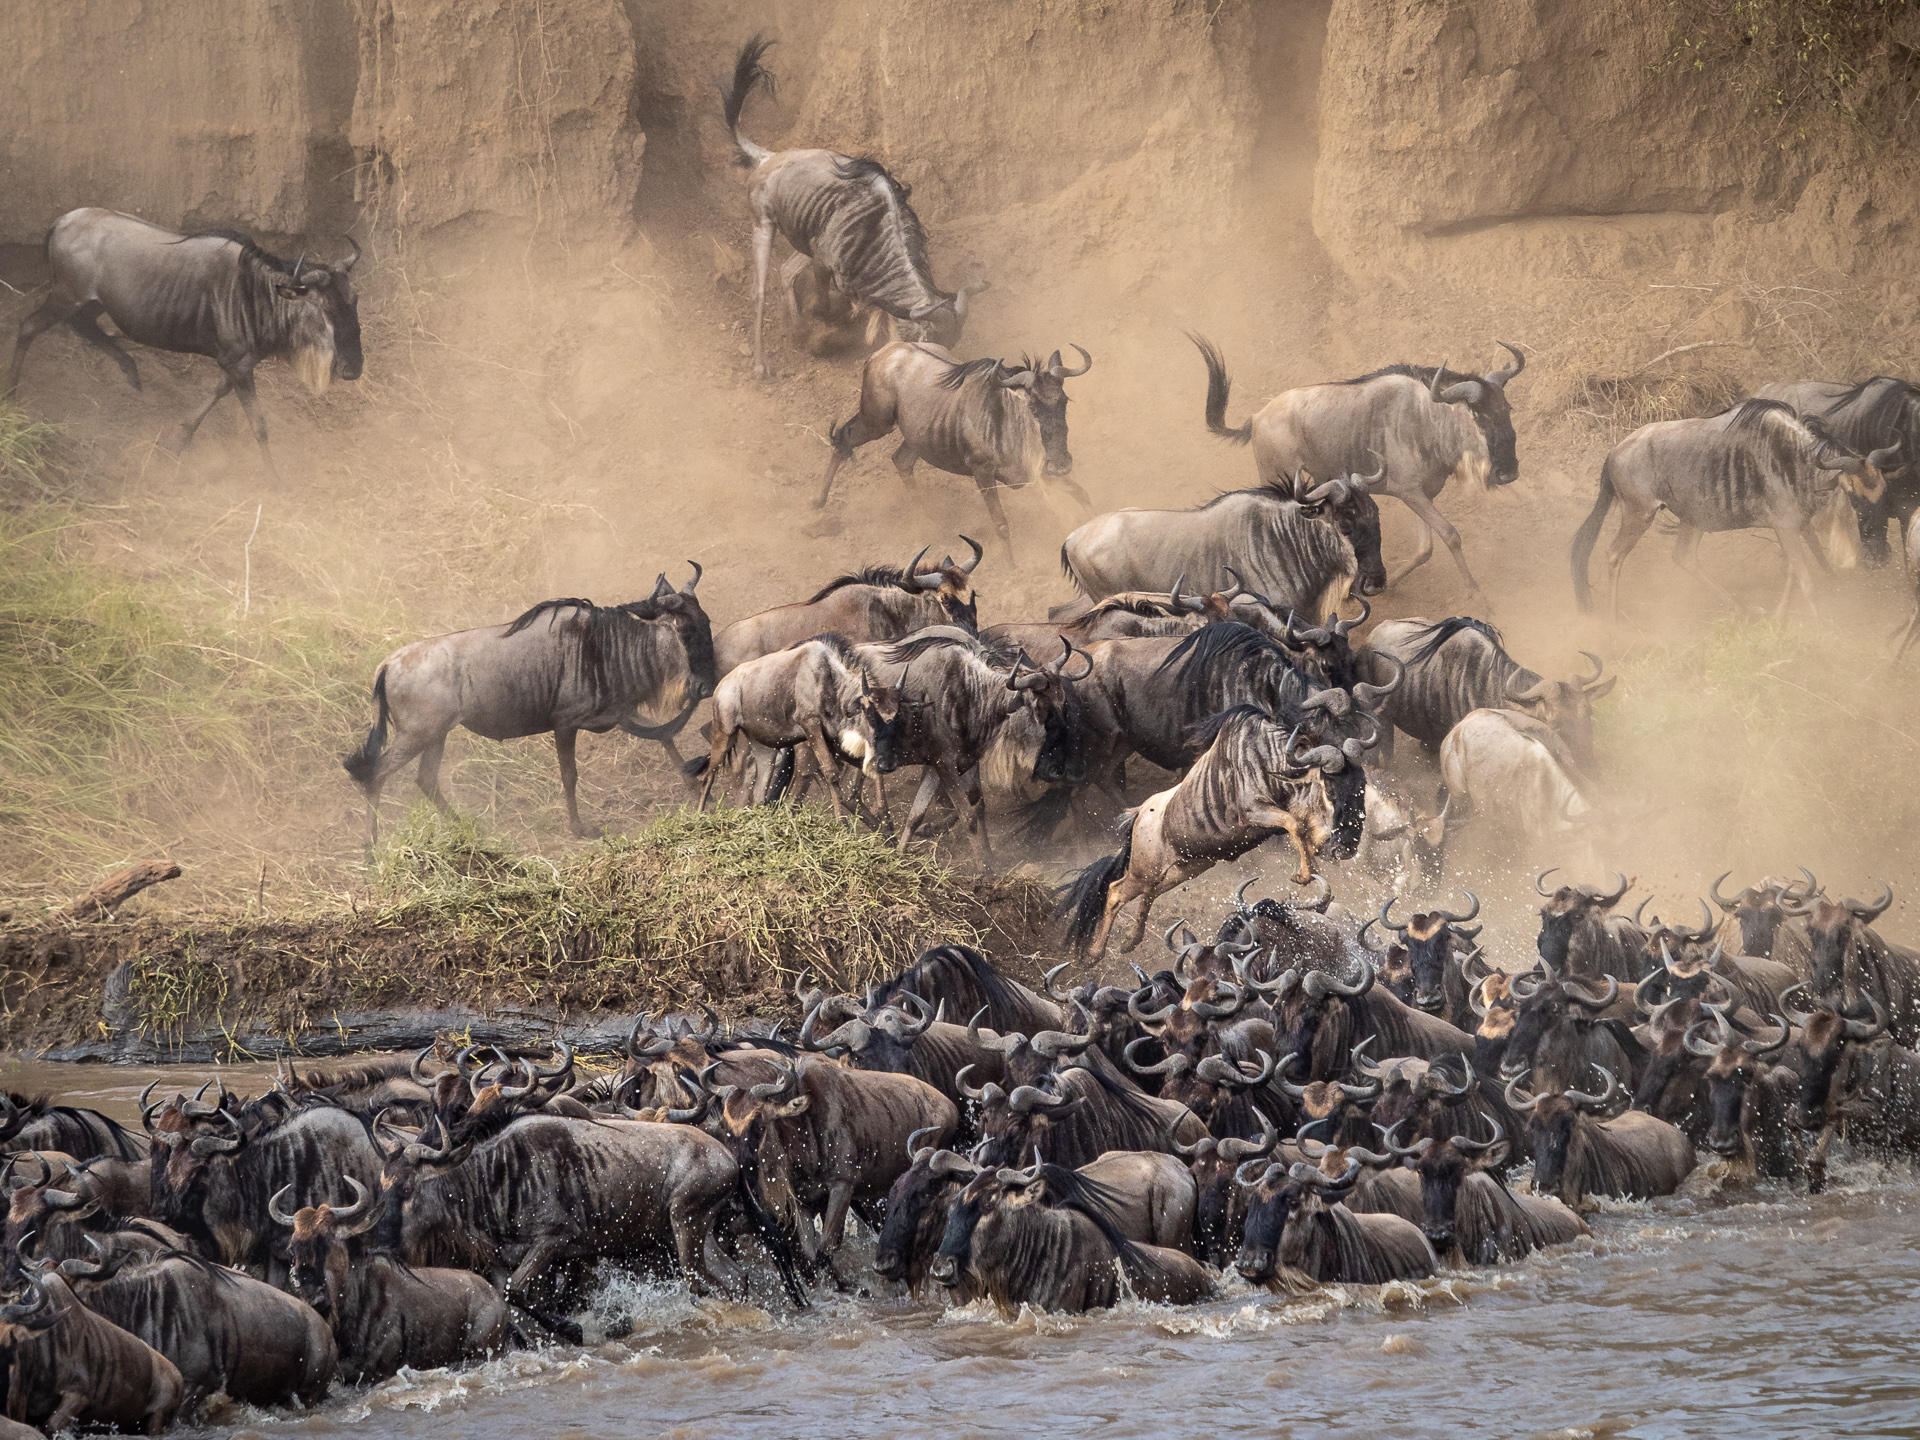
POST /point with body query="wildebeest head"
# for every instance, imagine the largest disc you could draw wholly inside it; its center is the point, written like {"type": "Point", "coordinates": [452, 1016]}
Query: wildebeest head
{"type": "Point", "coordinates": [1219, 1204]}
{"type": "Point", "coordinates": [1570, 910]}
{"type": "Point", "coordinates": [1549, 1030]}
{"type": "Point", "coordinates": [1492, 999]}
{"type": "Point", "coordinates": [1335, 1107]}
{"type": "Point", "coordinates": [1282, 1202]}
{"type": "Point", "coordinates": [1332, 808]}
{"type": "Point", "coordinates": [1047, 691]}
{"type": "Point", "coordinates": [319, 314]}
{"type": "Point", "coordinates": [918, 1205]}
{"type": "Point", "coordinates": [1486, 400]}
{"type": "Point", "coordinates": [189, 1139]}
{"type": "Point", "coordinates": [881, 1037]}
{"type": "Point", "coordinates": [1345, 502]}
{"type": "Point", "coordinates": [1315, 1018]}
{"type": "Point", "coordinates": [1013, 1123]}
{"type": "Point", "coordinates": [1758, 909]}
{"type": "Point", "coordinates": [1734, 1063]}
{"type": "Point", "coordinates": [950, 582]}
{"type": "Point", "coordinates": [1324, 653]}
{"type": "Point", "coordinates": [1550, 1125]}
{"type": "Point", "coordinates": [882, 708]}
{"type": "Point", "coordinates": [692, 629]}
{"type": "Point", "coordinates": [1428, 938]}
{"type": "Point", "coordinates": [1862, 476]}
{"type": "Point", "coordinates": [1442, 1165]}
{"type": "Point", "coordinates": [1824, 1036]}
{"type": "Point", "coordinates": [317, 1251]}
{"type": "Point", "coordinates": [1045, 394]}
{"type": "Point", "coordinates": [33, 1203]}
{"type": "Point", "coordinates": [1415, 1092]}
{"type": "Point", "coordinates": [981, 1197]}
{"type": "Point", "coordinates": [1563, 706]}
{"type": "Point", "coordinates": [1832, 932]}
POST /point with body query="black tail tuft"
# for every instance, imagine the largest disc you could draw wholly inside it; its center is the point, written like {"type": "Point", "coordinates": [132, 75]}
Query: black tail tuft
{"type": "Point", "coordinates": [696, 767]}
{"type": "Point", "coordinates": [837, 437]}
{"type": "Point", "coordinates": [748, 73]}
{"type": "Point", "coordinates": [1085, 900]}
{"type": "Point", "coordinates": [1587, 534]}
{"type": "Point", "coordinates": [782, 779]}
{"type": "Point", "coordinates": [1038, 821]}
{"type": "Point", "coordinates": [1219, 388]}
{"type": "Point", "coordinates": [364, 762]}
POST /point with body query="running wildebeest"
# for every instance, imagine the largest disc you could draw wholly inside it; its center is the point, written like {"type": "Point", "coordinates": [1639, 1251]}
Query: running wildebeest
{"type": "Point", "coordinates": [1425, 424]}
{"type": "Point", "coordinates": [848, 216]}
{"type": "Point", "coordinates": [1507, 767]}
{"type": "Point", "coordinates": [1756, 465]}
{"type": "Point", "coordinates": [1003, 425]}
{"type": "Point", "coordinates": [1881, 411]}
{"type": "Point", "coordinates": [1460, 664]}
{"type": "Point", "coordinates": [564, 666]}
{"type": "Point", "coordinates": [215, 293]}
{"type": "Point", "coordinates": [1302, 544]}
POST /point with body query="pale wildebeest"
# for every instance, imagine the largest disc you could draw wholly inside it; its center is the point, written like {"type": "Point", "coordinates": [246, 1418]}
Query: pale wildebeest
{"type": "Point", "coordinates": [564, 666]}
{"type": "Point", "coordinates": [1303, 545]}
{"type": "Point", "coordinates": [848, 216]}
{"type": "Point", "coordinates": [1511, 769]}
{"type": "Point", "coordinates": [1250, 785]}
{"type": "Point", "coordinates": [1756, 465]}
{"type": "Point", "coordinates": [877, 603]}
{"type": "Point", "coordinates": [216, 294]}
{"type": "Point", "coordinates": [1425, 424]}
{"type": "Point", "coordinates": [1460, 664]}
{"type": "Point", "coordinates": [1878, 412]}
{"type": "Point", "coordinates": [1401, 842]}
{"type": "Point", "coordinates": [816, 693]}
{"type": "Point", "coordinates": [1003, 425]}
{"type": "Point", "coordinates": [1911, 629]}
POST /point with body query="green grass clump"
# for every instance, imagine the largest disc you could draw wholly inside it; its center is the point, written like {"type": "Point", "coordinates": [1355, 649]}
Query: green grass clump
{"type": "Point", "coordinates": [23, 444]}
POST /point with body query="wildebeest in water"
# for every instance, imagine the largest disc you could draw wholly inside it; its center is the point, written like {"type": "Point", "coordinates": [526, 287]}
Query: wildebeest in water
{"type": "Point", "coordinates": [564, 666]}
{"type": "Point", "coordinates": [215, 293]}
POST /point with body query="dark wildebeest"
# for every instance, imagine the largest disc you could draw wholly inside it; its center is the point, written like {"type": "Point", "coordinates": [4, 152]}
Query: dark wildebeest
{"type": "Point", "coordinates": [224, 1331]}
{"type": "Point", "coordinates": [1576, 1155]}
{"type": "Point", "coordinates": [1459, 665]}
{"type": "Point", "coordinates": [1851, 959]}
{"type": "Point", "coordinates": [1879, 412]}
{"type": "Point", "coordinates": [1076, 1115]}
{"type": "Point", "coordinates": [1766, 930]}
{"type": "Point", "coordinates": [215, 293]}
{"type": "Point", "coordinates": [1322, 1018]}
{"type": "Point", "coordinates": [1435, 941]}
{"type": "Point", "coordinates": [1578, 938]}
{"type": "Point", "coordinates": [1130, 615]}
{"type": "Point", "coordinates": [891, 1037]}
{"type": "Point", "coordinates": [877, 603]}
{"type": "Point", "coordinates": [1250, 785]}
{"type": "Point", "coordinates": [1467, 1212]}
{"type": "Point", "coordinates": [847, 215]}
{"type": "Point", "coordinates": [1511, 773]}
{"type": "Point", "coordinates": [1047, 1236]}
{"type": "Point", "coordinates": [385, 1314]}
{"type": "Point", "coordinates": [38, 1124]}
{"type": "Point", "coordinates": [1302, 543]}
{"type": "Point", "coordinates": [1748, 1096]}
{"type": "Point", "coordinates": [1829, 1043]}
{"type": "Point", "coordinates": [564, 666]}
{"type": "Point", "coordinates": [1756, 465]}
{"type": "Point", "coordinates": [966, 982]}
{"type": "Point", "coordinates": [1425, 425]}
{"type": "Point", "coordinates": [1003, 425]}
{"type": "Point", "coordinates": [1297, 1231]}
{"type": "Point", "coordinates": [816, 693]}
{"type": "Point", "coordinates": [72, 1367]}
{"type": "Point", "coordinates": [1559, 1033]}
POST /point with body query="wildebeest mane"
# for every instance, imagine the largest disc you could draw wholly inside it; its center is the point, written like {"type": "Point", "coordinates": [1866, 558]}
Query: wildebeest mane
{"type": "Point", "coordinates": [1201, 655]}
{"type": "Point", "coordinates": [986, 651]}
{"type": "Point", "coordinates": [121, 1142]}
{"type": "Point", "coordinates": [960, 371]}
{"type": "Point", "coordinates": [1751, 414]}
{"type": "Point", "coordinates": [1441, 631]}
{"type": "Point", "coordinates": [1070, 1190]}
{"type": "Point", "coordinates": [1207, 733]}
{"type": "Point", "coordinates": [1864, 424]}
{"type": "Point", "coordinates": [883, 576]}
{"type": "Point", "coordinates": [1423, 373]}
{"type": "Point", "coordinates": [606, 649]}
{"type": "Point", "coordinates": [966, 980]}
{"type": "Point", "coordinates": [839, 644]}
{"type": "Point", "coordinates": [250, 249]}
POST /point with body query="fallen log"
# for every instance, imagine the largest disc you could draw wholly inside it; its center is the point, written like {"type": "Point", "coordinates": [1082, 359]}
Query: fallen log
{"type": "Point", "coordinates": [118, 888]}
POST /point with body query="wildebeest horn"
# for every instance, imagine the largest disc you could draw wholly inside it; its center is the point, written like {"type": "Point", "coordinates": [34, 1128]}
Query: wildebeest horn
{"type": "Point", "coordinates": [1517, 1098]}
{"type": "Point", "coordinates": [1472, 958]}
{"type": "Point", "coordinates": [1588, 683]}
{"type": "Point", "coordinates": [1054, 1043]}
{"type": "Point", "coordinates": [1541, 876]}
{"type": "Point", "coordinates": [101, 1267]}
{"type": "Point", "coordinates": [1433, 386]}
{"type": "Point", "coordinates": [1452, 918]}
{"type": "Point", "coordinates": [1172, 1064]}
{"type": "Point", "coordinates": [1468, 1145]}
{"type": "Point", "coordinates": [1797, 1017]}
{"type": "Point", "coordinates": [1053, 990]}
{"type": "Point", "coordinates": [1156, 1017]}
{"type": "Point", "coordinates": [361, 1200]}
{"type": "Point", "coordinates": [1419, 1147]}
{"type": "Point", "coordinates": [1342, 627]}
{"type": "Point", "coordinates": [1883, 458]}
{"type": "Point", "coordinates": [1220, 1010]}
{"type": "Point", "coordinates": [1573, 989]}
{"type": "Point", "coordinates": [146, 1110]}
{"type": "Point", "coordinates": [1371, 697]}
{"type": "Point", "coordinates": [219, 1145]}
{"type": "Point", "coordinates": [780, 1089]}
{"type": "Point", "coordinates": [1867, 1029]}
{"type": "Point", "coordinates": [1714, 890]}
{"type": "Point", "coordinates": [694, 583]}
{"type": "Point", "coordinates": [1319, 984]}
{"type": "Point", "coordinates": [931, 581]}
{"type": "Point", "coordinates": [1607, 901]}
{"type": "Point", "coordinates": [1059, 667]}
{"type": "Point", "coordinates": [1025, 1099]}
{"type": "Point", "coordinates": [20, 1182]}
{"type": "Point", "coordinates": [1224, 1070]}
{"type": "Point", "coordinates": [1244, 1177]}
{"type": "Point", "coordinates": [972, 1092]}
{"type": "Point", "coordinates": [352, 260]}
{"type": "Point", "coordinates": [1361, 1064]}
{"type": "Point", "coordinates": [1361, 484]}
{"type": "Point", "coordinates": [1316, 903]}
{"type": "Point", "coordinates": [1386, 916]}
{"type": "Point", "coordinates": [1060, 373]}
{"type": "Point", "coordinates": [979, 553]}
{"type": "Point", "coordinates": [1242, 1150]}
{"type": "Point", "coordinates": [1499, 378]}
{"type": "Point", "coordinates": [1355, 747]}
{"type": "Point", "coordinates": [1435, 1086]}
{"type": "Point", "coordinates": [21, 1311]}
{"type": "Point", "coordinates": [1694, 1041]}
{"type": "Point", "coordinates": [1298, 1092]}
{"type": "Point", "coordinates": [662, 587]}
{"type": "Point", "coordinates": [1694, 937]}
{"type": "Point", "coordinates": [1646, 994]}
{"type": "Point", "coordinates": [1227, 597]}
{"type": "Point", "coordinates": [1304, 1174]}
{"type": "Point", "coordinates": [1240, 895]}
{"type": "Point", "coordinates": [1754, 1046]}
{"type": "Point", "coordinates": [1596, 1102]}
{"type": "Point", "coordinates": [1166, 937]}
{"type": "Point", "coordinates": [413, 1070]}
{"type": "Point", "coordinates": [1361, 938]}
{"type": "Point", "coordinates": [1866, 914]}
{"type": "Point", "coordinates": [914, 1149]}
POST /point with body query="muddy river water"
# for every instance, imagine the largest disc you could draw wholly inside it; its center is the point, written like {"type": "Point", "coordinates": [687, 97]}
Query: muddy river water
{"type": "Point", "coordinates": [1756, 1312]}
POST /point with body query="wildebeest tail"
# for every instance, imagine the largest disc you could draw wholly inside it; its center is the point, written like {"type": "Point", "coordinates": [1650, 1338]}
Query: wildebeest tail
{"type": "Point", "coordinates": [696, 767]}
{"type": "Point", "coordinates": [748, 73]}
{"type": "Point", "coordinates": [1587, 534]}
{"type": "Point", "coordinates": [362, 763]}
{"type": "Point", "coordinates": [782, 775]}
{"type": "Point", "coordinates": [1219, 387]}
{"type": "Point", "coordinates": [1085, 898]}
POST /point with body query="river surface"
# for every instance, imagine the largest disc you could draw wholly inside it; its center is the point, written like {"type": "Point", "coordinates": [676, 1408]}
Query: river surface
{"type": "Point", "coordinates": [1758, 1312]}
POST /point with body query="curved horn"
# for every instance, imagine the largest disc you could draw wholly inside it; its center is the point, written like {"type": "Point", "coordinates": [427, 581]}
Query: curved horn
{"type": "Point", "coordinates": [1319, 984]}
{"type": "Point", "coordinates": [1606, 901]}
{"type": "Point", "coordinates": [1173, 1064]}
{"type": "Point", "coordinates": [1342, 627]}
{"type": "Point", "coordinates": [914, 1148]}
{"type": "Point", "coordinates": [1722, 901]}
{"type": "Point", "coordinates": [967, 568]}
{"type": "Point", "coordinates": [1541, 876]}
{"type": "Point", "coordinates": [1499, 378]}
{"type": "Point", "coordinates": [1436, 1086]}
{"type": "Point", "coordinates": [1586, 1001]}
{"type": "Point", "coordinates": [362, 1198]}
{"type": "Point", "coordinates": [1517, 1098]}
{"type": "Point", "coordinates": [1466, 1144]}
{"type": "Point", "coordinates": [1060, 372]}
{"type": "Point", "coordinates": [1224, 1070]}
{"type": "Point", "coordinates": [1053, 990]}
{"type": "Point", "coordinates": [911, 573]}
{"type": "Point", "coordinates": [1867, 1029]}
{"type": "Point", "coordinates": [1157, 1017]}
{"type": "Point", "coordinates": [1597, 1102]}
{"type": "Point", "coordinates": [1797, 1017]}
{"type": "Point", "coordinates": [1755, 1046]}
{"type": "Point", "coordinates": [1024, 1099]}
{"type": "Point", "coordinates": [1696, 1044]}
{"type": "Point", "coordinates": [1591, 683]}
{"type": "Point", "coordinates": [1242, 1150]}
{"type": "Point", "coordinates": [1433, 385]}
{"type": "Point", "coordinates": [1394, 1147]}
{"type": "Point", "coordinates": [1386, 917]}
{"type": "Point", "coordinates": [1867, 914]}
{"type": "Point", "coordinates": [972, 1092]}
{"type": "Point", "coordinates": [1449, 916]}
{"type": "Point", "coordinates": [276, 1209]}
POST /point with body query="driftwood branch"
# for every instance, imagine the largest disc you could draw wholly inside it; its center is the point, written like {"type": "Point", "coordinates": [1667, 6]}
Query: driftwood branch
{"type": "Point", "coordinates": [118, 888]}
{"type": "Point", "coordinates": [1682, 349]}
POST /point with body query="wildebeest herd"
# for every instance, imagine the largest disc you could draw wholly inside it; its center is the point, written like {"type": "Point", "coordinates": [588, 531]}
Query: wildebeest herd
{"type": "Point", "coordinates": [1303, 1099]}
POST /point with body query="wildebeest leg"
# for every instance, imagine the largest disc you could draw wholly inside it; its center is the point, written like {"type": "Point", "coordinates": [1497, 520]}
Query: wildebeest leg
{"type": "Point", "coordinates": [1135, 886]}
{"type": "Point", "coordinates": [220, 393]}
{"type": "Point", "coordinates": [527, 1285]}
{"type": "Point", "coordinates": [1632, 527]}
{"type": "Point", "coordinates": [717, 756]}
{"type": "Point", "coordinates": [52, 311]}
{"type": "Point", "coordinates": [823, 757]}
{"type": "Point", "coordinates": [929, 783]}
{"type": "Point", "coordinates": [692, 1223]}
{"type": "Point", "coordinates": [1433, 523]}
{"type": "Point", "coordinates": [904, 459]}
{"type": "Point", "coordinates": [963, 793]}
{"type": "Point", "coordinates": [848, 438]}
{"type": "Point", "coordinates": [1074, 488]}
{"type": "Point", "coordinates": [1685, 548]}
{"type": "Point", "coordinates": [1799, 571]}
{"type": "Point", "coordinates": [762, 253]}
{"type": "Point", "coordinates": [1274, 818]}
{"type": "Point", "coordinates": [427, 777]}
{"type": "Point", "coordinates": [989, 482]}
{"type": "Point", "coordinates": [563, 742]}
{"type": "Point", "coordinates": [833, 1225]}
{"type": "Point", "coordinates": [87, 327]}
{"type": "Point", "coordinates": [243, 387]}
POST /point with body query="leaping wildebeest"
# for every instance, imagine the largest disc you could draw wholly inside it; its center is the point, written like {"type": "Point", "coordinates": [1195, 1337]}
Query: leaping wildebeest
{"type": "Point", "coordinates": [1005, 425]}
{"type": "Point", "coordinates": [1425, 423]}
{"type": "Point", "coordinates": [1301, 543]}
{"type": "Point", "coordinates": [1756, 465]}
{"type": "Point", "coordinates": [215, 293]}
{"type": "Point", "coordinates": [847, 215]}
{"type": "Point", "coordinates": [564, 666]}
{"type": "Point", "coordinates": [1881, 411]}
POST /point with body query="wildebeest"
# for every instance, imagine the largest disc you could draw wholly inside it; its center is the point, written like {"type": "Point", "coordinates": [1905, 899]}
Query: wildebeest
{"type": "Point", "coordinates": [1302, 543]}
{"type": "Point", "coordinates": [1509, 771]}
{"type": "Point", "coordinates": [564, 666]}
{"type": "Point", "coordinates": [1579, 937]}
{"type": "Point", "coordinates": [893, 1038]}
{"type": "Point", "coordinates": [816, 693]}
{"type": "Point", "coordinates": [222, 1330]}
{"type": "Point", "coordinates": [1458, 665]}
{"type": "Point", "coordinates": [1435, 940]}
{"type": "Point", "coordinates": [1748, 1096]}
{"type": "Point", "coordinates": [1424, 425]}
{"type": "Point", "coordinates": [1296, 1230]}
{"type": "Point", "coordinates": [847, 215]}
{"type": "Point", "coordinates": [1046, 1236]}
{"type": "Point", "coordinates": [1766, 930]}
{"type": "Point", "coordinates": [1850, 959]}
{"type": "Point", "coordinates": [966, 982]}
{"type": "Point", "coordinates": [879, 602]}
{"type": "Point", "coordinates": [1882, 411]}
{"type": "Point", "coordinates": [1576, 1155]}
{"type": "Point", "coordinates": [1075, 1115]}
{"type": "Point", "coordinates": [1251, 784]}
{"type": "Point", "coordinates": [1558, 1032]}
{"type": "Point", "coordinates": [35, 1123]}
{"type": "Point", "coordinates": [1469, 1212]}
{"type": "Point", "coordinates": [1756, 465]}
{"type": "Point", "coordinates": [72, 1367]}
{"type": "Point", "coordinates": [384, 1314]}
{"type": "Point", "coordinates": [1003, 425]}
{"type": "Point", "coordinates": [1401, 842]}
{"type": "Point", "coordinates": [215, 293]}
